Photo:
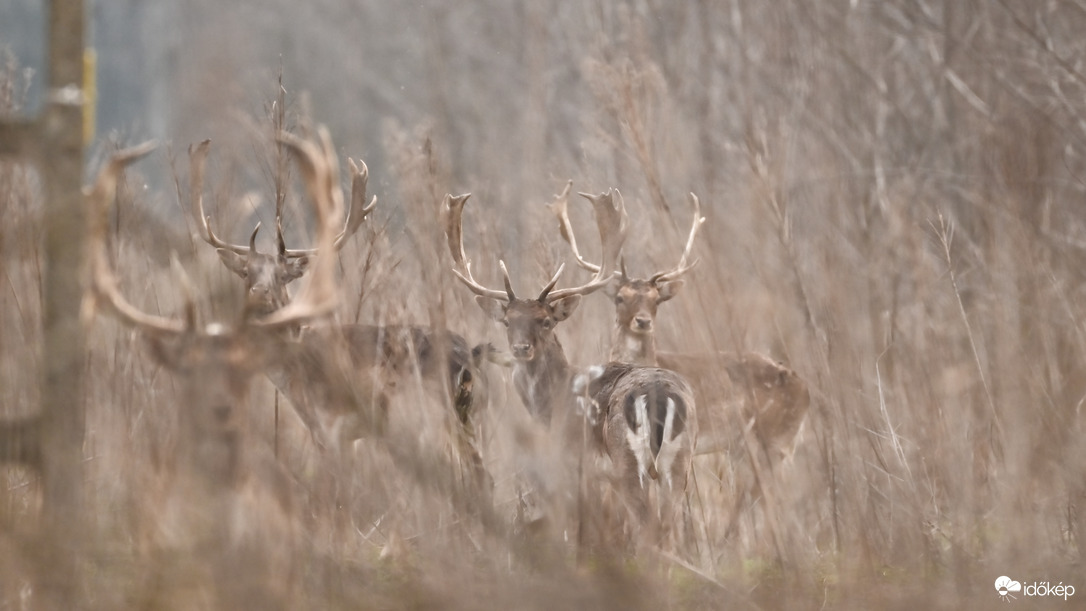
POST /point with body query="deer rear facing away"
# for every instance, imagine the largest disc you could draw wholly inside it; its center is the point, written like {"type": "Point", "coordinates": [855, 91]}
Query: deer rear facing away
{"type": "Point", "coordinates": [644, 417]}
{"type": "Point", "coordinates": [223, 533]}
{"type": "Point", "coordinates": [756, 390]}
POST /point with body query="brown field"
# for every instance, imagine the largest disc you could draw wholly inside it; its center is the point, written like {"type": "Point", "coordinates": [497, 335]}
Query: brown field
{"type": "Point", "coordinates": [894, 199]}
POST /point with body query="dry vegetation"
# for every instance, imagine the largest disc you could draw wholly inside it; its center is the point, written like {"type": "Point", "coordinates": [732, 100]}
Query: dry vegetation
{"type": "Point", "coordinates": [891, 192]}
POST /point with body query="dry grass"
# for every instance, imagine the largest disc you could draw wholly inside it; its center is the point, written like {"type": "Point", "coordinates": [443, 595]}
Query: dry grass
{"type": "Point", "coordinates": [893, 194]}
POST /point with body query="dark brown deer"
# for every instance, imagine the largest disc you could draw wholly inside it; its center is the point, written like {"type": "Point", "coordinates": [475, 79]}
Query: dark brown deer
{"type": "Point", "coordinates": [768, 396]}
{"type": "Point", "coordinates": [226, 521]}
{"type": "Point", "coordinates": [541, 372]}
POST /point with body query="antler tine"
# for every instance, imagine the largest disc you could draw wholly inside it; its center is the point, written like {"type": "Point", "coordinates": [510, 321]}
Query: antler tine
{"type": "Point", "coordinates": [360, 176]}
{"type": "Point", "coordinates": [550, 285]}
{"type": "Point", "coordinates": [452, 209]}
{"type": "Point", "coordinates": [612, 222]}
{"type": "Point", "coordinates": [197, 160]}
{"type": "Point", "coordinates": [683, 266]}
{"type": "Point", "coordinates": [358, 212]}
{"type": "Point", "coordinates": [508, 283]}
{"type": "Point", "coordinates": [559, 207]}
{"type": "Point", "coordinates": [320, 173]}
{"type": "Point", "coordinates": [104, 281]}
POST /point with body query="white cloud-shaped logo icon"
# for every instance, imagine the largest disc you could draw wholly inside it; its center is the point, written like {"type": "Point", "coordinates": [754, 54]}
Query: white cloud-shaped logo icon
{"type": "Point", "coordinates": [1005, 585]}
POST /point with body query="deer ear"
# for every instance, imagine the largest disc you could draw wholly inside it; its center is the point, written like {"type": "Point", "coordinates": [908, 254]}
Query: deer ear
{"type": "Point", "coordinates": [233, 261]}
{"type": "Point", "coordinates": [493, 308]}
{"type": "Point", "coordinates": [563, 308]}
{"type": "Point", "coordinates": [668, 289]}
{"type": "Point", "coordinates": [296, 267]}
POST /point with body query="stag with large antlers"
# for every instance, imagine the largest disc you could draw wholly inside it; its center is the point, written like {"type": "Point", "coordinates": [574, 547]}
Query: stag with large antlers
{"type": "Point", "coordinates": [638, 415]}
{"type": "Point", "coordinates": [773, 400]}
{"type": "Point", "coordinates": [267, 275]}
{"type": "Point", "coordinates": [221, 482]}
{"type": "Point", "coordinates": [541, 373]}
{"type": "Point", "coordinates": [636, 299]}
{"type": "Point", "coordinates": [370, 362]}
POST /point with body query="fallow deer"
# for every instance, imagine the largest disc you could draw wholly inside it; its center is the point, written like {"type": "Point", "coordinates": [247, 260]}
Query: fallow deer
{"type": "Point", "coordinates": [772, 399]}
{"type": "Point", "coordinates": [636, 300]}
{"type": "Point", "coordinates": [267, 275]}
{"type": "Point", "coordinates": [638, 415]}
{"type": "Point", "coordinates": [644, 417]}
{"type": "Point", "coordinates": [226, 524]}
{"type": "Point", "coordinates": [541, 372]}
{"type": "Point", "coordinates": [368, 362]}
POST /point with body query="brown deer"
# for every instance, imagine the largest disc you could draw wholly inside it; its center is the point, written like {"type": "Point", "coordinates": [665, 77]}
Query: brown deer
{"type": "Point", "coordinates": [644, 417]}
{"type": "Point", "coordinates": [226, 525]}
{"type": "Point", "coordinates": [637, 415]}
{"type": "Point", "coordinates": [772, 399]}
{"type": "Point", "coordinates": [368, 362]}
{"type": "Point", "coordinates": [541, 372]}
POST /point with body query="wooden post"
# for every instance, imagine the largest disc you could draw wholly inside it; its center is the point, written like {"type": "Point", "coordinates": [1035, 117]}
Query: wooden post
{"type": "Point", "coordinates": [54, 143]}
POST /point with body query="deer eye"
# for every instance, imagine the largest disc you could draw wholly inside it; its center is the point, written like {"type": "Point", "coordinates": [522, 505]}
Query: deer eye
{"type": "Point", "coordinates": [548, 324]}
{"type": "Point", "coordinates": [619, 300]}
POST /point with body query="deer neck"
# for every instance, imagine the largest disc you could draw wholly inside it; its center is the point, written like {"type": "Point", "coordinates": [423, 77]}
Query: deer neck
{"type": "Point", "coordinates": [543, 382]}
{"type": "Point", "coordinates": [630, 347]}
{"type": "Point", "coordinates": [215, 461]}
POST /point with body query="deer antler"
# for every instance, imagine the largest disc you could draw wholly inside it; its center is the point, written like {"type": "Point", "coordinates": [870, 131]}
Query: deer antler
{"type": "Point", "coordinates": [683, 267]}
{"type": "Point", "coordinates": [104, 281]}
{"type": "Point", "coordinates": [197, 161]}
{"type": "Point", "coordinates": [320, 171]}
{"type": "Point", "coordinates": [565, 227]}
{"type": "Point", "coordinates": [360, 175]}
{"type": "Point", "coordinates": [615, 217]}
{"type": "Point", "coordinates": [610, 217]}
{"type": "Point", "coordinates": [357, 214]}
{"type": "Point", "coordinates": [559, 207]}
{"type": "Point", "coordinates": [318, 296]}
{"type": "Point", "coordinates": [452, 209]}
{"type": "Point", "coordinates": [612, 222]}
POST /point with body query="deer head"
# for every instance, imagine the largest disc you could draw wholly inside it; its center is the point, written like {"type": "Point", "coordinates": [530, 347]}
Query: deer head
{"type": "Point", "coordinates": [267, 275]}
{"type": "Point", "coordinates": [636, 299]}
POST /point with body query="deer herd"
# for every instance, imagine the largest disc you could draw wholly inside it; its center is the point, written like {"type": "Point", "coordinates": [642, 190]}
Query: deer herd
{"type": "Point", "coordinates": [644, 414]}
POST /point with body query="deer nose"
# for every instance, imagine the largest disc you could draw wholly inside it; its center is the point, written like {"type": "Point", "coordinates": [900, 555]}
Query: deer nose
{"type": "Point", "coordinates": [522, 351]}
{"type": "Point", "coordinates": [643, 323]}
